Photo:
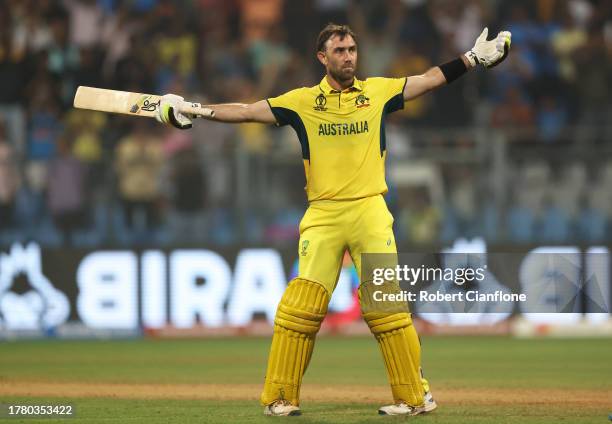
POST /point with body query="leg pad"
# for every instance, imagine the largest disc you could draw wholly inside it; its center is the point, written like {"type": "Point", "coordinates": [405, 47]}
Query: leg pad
{"type": "Point", "coordinates": [401, 352]}
{"type": "Point", "coordinates": [298, 319]}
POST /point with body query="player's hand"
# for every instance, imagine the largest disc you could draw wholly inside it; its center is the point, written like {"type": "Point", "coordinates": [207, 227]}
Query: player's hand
{"type": "Point", "coordinates": [168, 112]}
{"type": "Point", "coordinates": [490, 53]}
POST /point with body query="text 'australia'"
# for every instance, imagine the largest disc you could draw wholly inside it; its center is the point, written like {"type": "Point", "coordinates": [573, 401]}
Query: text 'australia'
{"type": "Point", "coordinates": [343, 129]}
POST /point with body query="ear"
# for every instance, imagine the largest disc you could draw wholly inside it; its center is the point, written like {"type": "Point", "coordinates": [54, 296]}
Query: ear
{"type": "Point", "coordinates": [322, 58]}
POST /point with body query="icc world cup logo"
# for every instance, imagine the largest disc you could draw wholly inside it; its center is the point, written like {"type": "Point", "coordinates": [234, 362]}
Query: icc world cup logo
{"type": "Point", "coordinates": [320, 102]}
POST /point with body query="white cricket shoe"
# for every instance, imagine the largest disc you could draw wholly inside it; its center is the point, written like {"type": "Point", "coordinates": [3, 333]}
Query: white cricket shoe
{"type": "Point", "coordinates": [403, 408]}
{"type": "Point", "coordinates": [281, 408]}
{"type": "Point", "coordinates": [430, 404]}
{"type": "Point", "coordinates": [400, 409]}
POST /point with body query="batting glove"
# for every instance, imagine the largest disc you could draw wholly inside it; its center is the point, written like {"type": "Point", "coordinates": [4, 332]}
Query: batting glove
{"type": "Point", "coordinates": [168, 112]}
{"type": "Point", "coordinates": [490, 53]}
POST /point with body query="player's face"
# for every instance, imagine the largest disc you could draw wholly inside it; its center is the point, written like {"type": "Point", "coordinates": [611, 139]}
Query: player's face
{"type": "Point", "coordinates": [340, 58]}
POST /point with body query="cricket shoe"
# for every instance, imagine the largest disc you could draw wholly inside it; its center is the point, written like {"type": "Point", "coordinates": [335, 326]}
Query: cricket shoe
{"type": "Point", "coordinates": [403, 408]}
{"type": "Point", "coordinates": [281, 408]}
{"type": "Point", "coordinates": [429, 402]}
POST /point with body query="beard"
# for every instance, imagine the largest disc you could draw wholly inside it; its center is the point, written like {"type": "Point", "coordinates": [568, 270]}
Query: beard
{"type": "Point", "coordinates": [343, 74]}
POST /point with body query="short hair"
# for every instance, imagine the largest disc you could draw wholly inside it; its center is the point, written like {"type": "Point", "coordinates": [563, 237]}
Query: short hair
{"type": "Point", "coordinates": [333, 29]}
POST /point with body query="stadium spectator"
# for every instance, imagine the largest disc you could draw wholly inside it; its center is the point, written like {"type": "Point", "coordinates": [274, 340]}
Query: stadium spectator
{"type": "Point", "coordinates": [13, 79]}
{"type": "Point", "coordinates": [514, 112]}
{"type": "Point", "coordinates": [9, 180]}
{"type": "Point", "coordinates": [86, 18]}
{"type": "Point", "coordinates": [551, 119]}
{"type": "Point", "coordinates": [412, 62]}
{"type": "Point", "coordinates": [63, 56]}
{"type": "Point", "coordinates": [566, 43]}
{"type": "Point", "coordinates": [117, 32]}
{"type": "Point", "coordinates": [88, 144]}
{"type": "Point", "coordinates": [66, 195]}
{"type": "Point", "coordinates": [419, 218]}
{"type": "Point", "coordinates": [176, 51]}
{"type": "Point", "coordinates": [258, 17]}
{"type": "Point", "coordinates": [595, 70]}
{"type": "Point", "coordinates": [138, 162]}
{"type": "Point", "coordinates": [188, 220]}
{"type": "Point", "coordinates": [45, 124]}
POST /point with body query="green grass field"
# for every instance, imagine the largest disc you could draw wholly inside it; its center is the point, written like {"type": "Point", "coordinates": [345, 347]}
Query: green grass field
{"type": "Point", "coordinates": [475, 380]}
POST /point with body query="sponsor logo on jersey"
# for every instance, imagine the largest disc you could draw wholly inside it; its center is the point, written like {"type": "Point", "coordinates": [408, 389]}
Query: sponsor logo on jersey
{"type": "Point", "coordinates": [352, 128]}
{"type": "Point", "coordinates": [320, 102]}
{"type": "Point", "coordinates": [362, 101]}
{"type": "Point", "coordinates": [305, 244]}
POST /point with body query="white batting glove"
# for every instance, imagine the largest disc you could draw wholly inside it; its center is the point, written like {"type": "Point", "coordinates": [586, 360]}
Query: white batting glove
{"type": "Point", "coordinates": [168, 112]}
{"type": "Point", "coordinates": [490, 53]}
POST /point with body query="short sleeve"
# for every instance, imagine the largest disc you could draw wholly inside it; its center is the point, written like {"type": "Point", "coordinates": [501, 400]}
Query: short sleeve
{"type": "Point", "coordinates": [395, 94]}
{"type": "Point", "coordinates": [285, 106]}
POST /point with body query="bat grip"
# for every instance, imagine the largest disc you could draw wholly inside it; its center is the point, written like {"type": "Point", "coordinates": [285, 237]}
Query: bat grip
{"type": "Point", "coordinates": [197, 110]}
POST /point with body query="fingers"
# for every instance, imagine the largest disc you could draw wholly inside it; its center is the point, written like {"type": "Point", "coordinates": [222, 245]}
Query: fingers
{"type": "Point", "coordinates": [179, 120]}
{"type": "Point", "coordinates": [503, 40]}
{"type": "Point", "coordinates": [502, 46]}
{"type": "Point", "coordinates": [508, 37]}
{"type": "Point", "coordinates": [483, 35]}
{"type": "Point", "coordinates": [172, 98]}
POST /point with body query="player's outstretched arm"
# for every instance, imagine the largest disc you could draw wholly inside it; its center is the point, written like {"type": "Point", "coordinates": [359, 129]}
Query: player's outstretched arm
{"type": "Point", "coordinates": [238, 112]}
{"type": "Point", "coordinates": [169, 106]}
{"type": "Point", "coordinates": [487, 53]}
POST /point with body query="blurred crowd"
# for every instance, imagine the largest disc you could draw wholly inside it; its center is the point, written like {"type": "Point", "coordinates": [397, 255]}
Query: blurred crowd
{"type": "Point", "coordinates": [74, 177]}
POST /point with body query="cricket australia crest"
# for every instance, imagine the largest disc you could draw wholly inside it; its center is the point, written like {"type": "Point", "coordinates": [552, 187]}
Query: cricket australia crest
{"type": "Point", "coordinates": [362, 101]}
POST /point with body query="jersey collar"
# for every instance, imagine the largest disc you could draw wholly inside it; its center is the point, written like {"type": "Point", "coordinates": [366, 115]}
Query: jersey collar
{"type": "Point", "coordinates": [328, 89]}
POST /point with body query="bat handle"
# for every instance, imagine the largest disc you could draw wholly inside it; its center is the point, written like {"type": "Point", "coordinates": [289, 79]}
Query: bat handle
{"type": "Point", "coordinates": [197, 110]}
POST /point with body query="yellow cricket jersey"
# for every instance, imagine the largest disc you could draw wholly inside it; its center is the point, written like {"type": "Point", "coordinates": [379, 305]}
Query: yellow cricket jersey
{"type": "Point", "coordinates": [342, 134]}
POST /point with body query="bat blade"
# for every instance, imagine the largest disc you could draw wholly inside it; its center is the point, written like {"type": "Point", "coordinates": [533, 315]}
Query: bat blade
{"type": "Point", "coordinates": [114, 101]}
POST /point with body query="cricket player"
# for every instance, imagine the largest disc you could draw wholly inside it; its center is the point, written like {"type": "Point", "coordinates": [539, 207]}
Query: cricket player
{"type": "Point", "coordinates": [340, 123]}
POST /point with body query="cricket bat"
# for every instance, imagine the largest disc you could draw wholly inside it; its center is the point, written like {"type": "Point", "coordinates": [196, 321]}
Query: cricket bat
{"type": "Point", "coordinates": [127, 103]}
